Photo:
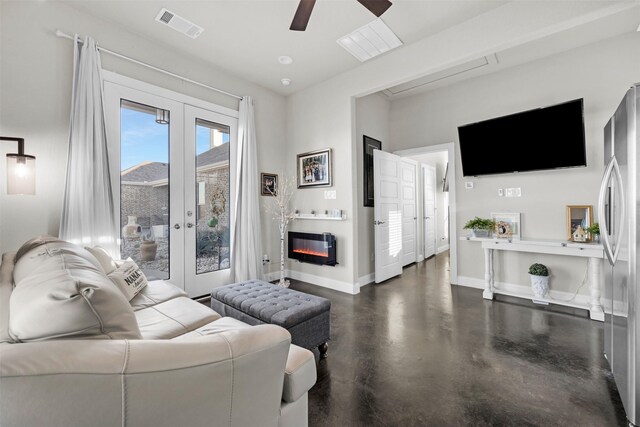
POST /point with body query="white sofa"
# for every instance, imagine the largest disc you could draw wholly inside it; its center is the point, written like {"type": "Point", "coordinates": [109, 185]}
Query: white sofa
{"type": "Point", "coordinates": [75, 352]}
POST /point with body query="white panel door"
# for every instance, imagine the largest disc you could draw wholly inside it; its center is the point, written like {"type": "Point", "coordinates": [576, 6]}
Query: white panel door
{"type": "Point", "coordinates": [408, 175]}
{"type": "Point", "coordinates": [387, 215]}
{"type": "Point", "coordinates": [429, 176]}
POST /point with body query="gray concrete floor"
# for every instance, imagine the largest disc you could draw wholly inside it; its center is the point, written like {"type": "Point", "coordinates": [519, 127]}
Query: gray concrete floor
{"type": "Point", "coordinates": [416, 351]}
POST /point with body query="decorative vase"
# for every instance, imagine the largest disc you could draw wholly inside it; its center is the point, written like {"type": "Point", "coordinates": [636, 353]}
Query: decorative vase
{"type": "Point", "coordinates": [148, 250]}
{"type": "Point", "coordinates": [480, 233]}
{"type": "Point", "coordinates": [132, 229]}
{"type": "Point", "coordinates": [539, 286]}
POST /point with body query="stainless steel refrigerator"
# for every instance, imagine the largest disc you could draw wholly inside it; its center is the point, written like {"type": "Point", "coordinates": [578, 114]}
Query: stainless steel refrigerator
{"type": "Point", "coordinates": [618, 217]}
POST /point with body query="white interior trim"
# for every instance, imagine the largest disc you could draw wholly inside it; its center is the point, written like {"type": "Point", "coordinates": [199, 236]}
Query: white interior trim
{"type": "Point", "coordinates": [453, 239]}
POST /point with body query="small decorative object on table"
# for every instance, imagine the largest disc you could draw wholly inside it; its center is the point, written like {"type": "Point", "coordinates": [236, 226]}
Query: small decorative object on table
{"type": "Point", "coordinates": [594, 231]}
{"type": "Point", "coordinates": [539, 274]}
{"type": "Point", "coordinates": [480, 227]}
{"type": "Point", "coordinates": [507, 225]}
{"type": "Point", "coordinates": [579, 219]}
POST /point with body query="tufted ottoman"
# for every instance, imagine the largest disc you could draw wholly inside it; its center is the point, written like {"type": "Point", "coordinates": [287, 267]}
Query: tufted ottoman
{"type": "Point", "coordinates": [306, 317]}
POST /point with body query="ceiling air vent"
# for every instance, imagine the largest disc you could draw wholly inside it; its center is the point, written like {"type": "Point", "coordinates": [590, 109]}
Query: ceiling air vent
{"type": "Point", "coordinates": [178, 23]}
{"type": "Point", "coordinates": [370, 40]}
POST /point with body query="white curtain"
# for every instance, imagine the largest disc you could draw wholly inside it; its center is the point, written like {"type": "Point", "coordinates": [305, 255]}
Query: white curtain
{"type": "Point", "coordinates": [247, 241]}
{"type": "Point", "coordinates": [87, 211]}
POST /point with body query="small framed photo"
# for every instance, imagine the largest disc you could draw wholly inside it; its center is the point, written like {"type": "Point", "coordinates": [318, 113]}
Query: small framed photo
{"type": "Point", "coordinates": [579, 219]}
{"type": "Point", "coordinates": [314, 169]}
{"type": "Point", "coordinates": [268, 184]}
{"type": "Point", "coordinates": [507, 225]}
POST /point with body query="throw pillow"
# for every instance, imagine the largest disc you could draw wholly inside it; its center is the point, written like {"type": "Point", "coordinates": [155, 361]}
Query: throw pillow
{"type": "Point", "coordinates": [106, 262]}
{"type": "Point", "coordinates": [129, 278]}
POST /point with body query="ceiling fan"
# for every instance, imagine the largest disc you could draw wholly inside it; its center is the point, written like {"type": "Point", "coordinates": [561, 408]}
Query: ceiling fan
{"type": "Point", "coordinates": [303, 13]}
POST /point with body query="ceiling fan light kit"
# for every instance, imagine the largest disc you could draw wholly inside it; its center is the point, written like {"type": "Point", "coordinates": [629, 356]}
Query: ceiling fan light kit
{"type": "Point", "coordinates": [305, 7]}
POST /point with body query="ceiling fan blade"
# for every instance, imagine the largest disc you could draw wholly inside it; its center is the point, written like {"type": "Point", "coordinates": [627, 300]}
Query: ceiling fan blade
{"type": "Point", "coordinates": [303, 13]}
{"type": "Point", "coordinates": [377, 7]}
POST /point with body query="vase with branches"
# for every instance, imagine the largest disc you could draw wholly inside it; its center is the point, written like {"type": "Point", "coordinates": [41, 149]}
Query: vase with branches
{"type": "Point", "coordinates": [283, 213]}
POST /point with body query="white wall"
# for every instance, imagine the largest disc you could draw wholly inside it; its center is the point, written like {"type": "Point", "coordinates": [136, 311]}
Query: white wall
{"type": "Point", "coordinates": [35, 86]}
{"type": "Point", "coordinates": [372, 119]}
{"type": "Point", "coordinates": [599, 73]}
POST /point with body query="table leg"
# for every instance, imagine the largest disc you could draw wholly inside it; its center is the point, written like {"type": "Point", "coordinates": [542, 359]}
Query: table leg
{"type": "Point", "coordinates": [488, 274]}
{"type": "Point", "coordinates": [596, 311]}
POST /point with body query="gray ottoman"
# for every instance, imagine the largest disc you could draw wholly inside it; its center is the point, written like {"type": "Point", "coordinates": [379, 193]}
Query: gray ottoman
{"type": "Point", "coordinates": [306, 317]}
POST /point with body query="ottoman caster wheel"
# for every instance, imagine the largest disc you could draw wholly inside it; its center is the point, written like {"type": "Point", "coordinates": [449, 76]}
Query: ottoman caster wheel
{"type": "Point", "coordinates": [323, 348]}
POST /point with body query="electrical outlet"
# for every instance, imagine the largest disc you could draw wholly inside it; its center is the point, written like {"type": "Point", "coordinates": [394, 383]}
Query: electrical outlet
{"type": "Point", "coordinates": [513, 192]}
{"type": "Point", "coordinates": [468, 185]}
{"type": "Point", "coordinates": [500, 192]}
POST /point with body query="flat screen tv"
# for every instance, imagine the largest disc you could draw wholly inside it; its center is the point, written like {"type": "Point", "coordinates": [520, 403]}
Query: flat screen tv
{"type": "Point", "coordinates": [541, 139]}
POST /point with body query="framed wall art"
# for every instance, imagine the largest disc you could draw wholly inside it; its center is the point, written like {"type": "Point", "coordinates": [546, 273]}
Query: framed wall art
{"type": "Point", "coordinates": [507, 225]}
{"type": "Point", "coordinates": [314, 169]}
{"type": "Point", "coordinates": [579, 218]}
{"type": "Point", "coordinates": [268, 184]}
{"type": "Point", "coordinates": [369, 144]}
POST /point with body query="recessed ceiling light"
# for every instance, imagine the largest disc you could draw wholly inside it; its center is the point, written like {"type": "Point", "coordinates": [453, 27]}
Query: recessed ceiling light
{"type": "Point", "coordinates": [285, 60]}
{"type": "Point", "coordinates": [285, 82]}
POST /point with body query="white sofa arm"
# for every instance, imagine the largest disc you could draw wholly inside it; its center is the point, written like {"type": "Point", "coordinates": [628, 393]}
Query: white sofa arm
{"type": "Point", "coordinates": [232, 378]}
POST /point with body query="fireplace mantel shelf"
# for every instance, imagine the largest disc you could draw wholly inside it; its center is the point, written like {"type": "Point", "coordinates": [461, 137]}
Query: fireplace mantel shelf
{"type": "Point", "coordinates": [321, 216]}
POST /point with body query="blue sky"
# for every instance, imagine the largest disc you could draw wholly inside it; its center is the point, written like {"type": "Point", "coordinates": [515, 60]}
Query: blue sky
{"type": "Point", "coordinates": [142, 139]}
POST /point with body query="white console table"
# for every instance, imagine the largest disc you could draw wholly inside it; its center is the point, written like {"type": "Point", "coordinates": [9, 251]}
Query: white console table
{"type": "Point", "coordinates": [593, 251]}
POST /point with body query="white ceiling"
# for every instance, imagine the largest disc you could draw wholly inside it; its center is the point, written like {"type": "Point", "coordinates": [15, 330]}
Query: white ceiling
{"type": "Point", "coordinates": [246, 37]}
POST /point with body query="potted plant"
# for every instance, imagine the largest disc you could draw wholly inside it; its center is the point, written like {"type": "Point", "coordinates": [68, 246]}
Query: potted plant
{"type": "Point", "coordinates": [480, 227]}
{"type": "Point", "coordinates": [539, 274]}
{"type": "Point", "coordinates": [594, 231]}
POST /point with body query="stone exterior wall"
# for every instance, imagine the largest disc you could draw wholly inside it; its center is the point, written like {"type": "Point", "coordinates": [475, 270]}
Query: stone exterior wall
{"type": "Point", "coordinates": [149, 204]}
{"type": "Point", "coordinates": [212, 180]}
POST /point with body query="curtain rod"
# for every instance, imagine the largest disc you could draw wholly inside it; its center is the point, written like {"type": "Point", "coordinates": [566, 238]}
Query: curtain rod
{"type": "Point", "coordinates": [144, 64]}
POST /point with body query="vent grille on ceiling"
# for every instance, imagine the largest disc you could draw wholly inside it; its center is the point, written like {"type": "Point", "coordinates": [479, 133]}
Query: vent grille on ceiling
{"type": "Point", "coordinates": [370, 40]}
{"type": "Point", "coordinates": [178, 23]}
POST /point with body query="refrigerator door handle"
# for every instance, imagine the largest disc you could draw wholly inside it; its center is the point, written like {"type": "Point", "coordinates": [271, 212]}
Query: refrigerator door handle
{"type": "Point", "coordinates": [604, 231]}
{"type": "Point", "coordinates": [622, 208]}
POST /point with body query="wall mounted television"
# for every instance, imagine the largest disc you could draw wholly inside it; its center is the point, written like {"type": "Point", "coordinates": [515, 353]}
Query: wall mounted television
{"type": "Point", "coordinates": [540, 139]}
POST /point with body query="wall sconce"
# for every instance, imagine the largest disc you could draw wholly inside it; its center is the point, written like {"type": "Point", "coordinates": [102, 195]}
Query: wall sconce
{"type": "Point", "coordinates": [21, 170]}
{"type": "Point", "coordinates": [162, 116]}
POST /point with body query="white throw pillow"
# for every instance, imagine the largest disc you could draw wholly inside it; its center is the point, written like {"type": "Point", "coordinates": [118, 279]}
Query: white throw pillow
{"type": "Point", "coordinates": [128, 278]}
{"type": "Point", "coordinates": [107, 263]}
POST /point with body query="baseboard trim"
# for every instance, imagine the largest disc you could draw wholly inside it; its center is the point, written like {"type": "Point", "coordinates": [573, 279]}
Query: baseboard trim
{"type": "Point", "coordinates": [366, 280]}
{"type": "Point", "coordinates": [324, 282]}
{"type": "Point", "coordinates": [522, 291]}
{"type": "Point", "coordinates": [442, 248]}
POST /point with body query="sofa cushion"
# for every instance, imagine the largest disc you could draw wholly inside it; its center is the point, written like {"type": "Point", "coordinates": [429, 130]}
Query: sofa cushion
{"type": "Point", "coordinates": [128, 278]}
{"type": "Point", "coordinates": [61, 291]}
{"type": "Point", "coordinates": [107, 263]}
{"type": "Point", "coordinates": [155, 292]}
{"type": "Point", "coordinates": [6, 286]}
{"type": "Point", "coordinates": [172, 318]}
{"type": "Point", "coordinates": [222, 324]}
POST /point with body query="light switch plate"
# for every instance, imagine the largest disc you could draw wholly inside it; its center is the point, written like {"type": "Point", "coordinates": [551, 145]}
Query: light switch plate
{"type": "Point", "coordinates": [468, 185]}
{"type": "Point", "coordinates": [500, 192]}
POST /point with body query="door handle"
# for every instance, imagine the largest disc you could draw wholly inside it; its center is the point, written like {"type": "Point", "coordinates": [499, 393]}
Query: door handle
{"type": "Point", "coordinates": [189, 225]}
{"type": "Point", "coordinates": [604, 185]}
{"type": "Point", "coordinates": [177, 226]}
{"type": "Point", "coordinates": [378, 222]}
{"type": "Point", "coordinates": [623, 211]}
{"type": "Point", "coordinates": [427, 217]}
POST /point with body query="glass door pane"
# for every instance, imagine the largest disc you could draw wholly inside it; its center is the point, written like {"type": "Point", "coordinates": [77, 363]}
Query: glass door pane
{"type": "Point", "coordinates": [209, 191]}
{"type": "Point", "coordinates": [144, 187]}
{"type": "Point", "coordinates": [212, 196]}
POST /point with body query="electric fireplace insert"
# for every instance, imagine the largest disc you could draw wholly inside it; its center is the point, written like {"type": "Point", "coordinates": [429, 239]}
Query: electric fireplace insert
{"type": "Point", "coordinates": [312, 248]}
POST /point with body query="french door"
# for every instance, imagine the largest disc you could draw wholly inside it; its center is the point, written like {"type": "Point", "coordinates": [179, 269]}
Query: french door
{"type": "Point", "coordinates": [172, 174]}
